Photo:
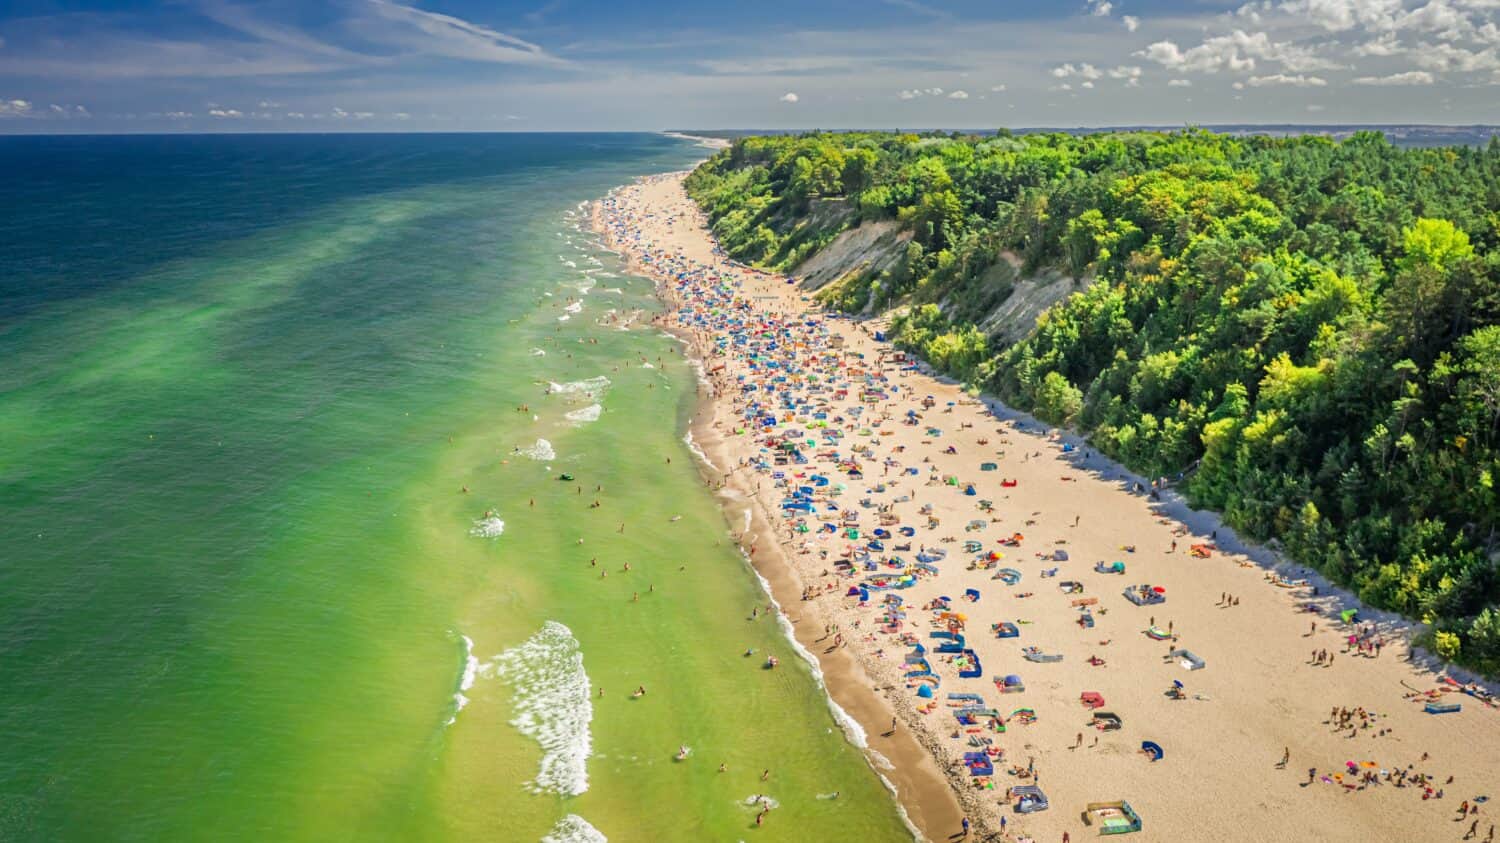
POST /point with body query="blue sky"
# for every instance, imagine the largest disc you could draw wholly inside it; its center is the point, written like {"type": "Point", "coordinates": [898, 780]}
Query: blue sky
{"type": "Point", "coordinates": [458, 65]}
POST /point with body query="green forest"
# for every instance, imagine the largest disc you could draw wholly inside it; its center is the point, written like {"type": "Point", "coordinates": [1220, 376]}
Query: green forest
{"type": "Point", "coordinates": [1304, 334]}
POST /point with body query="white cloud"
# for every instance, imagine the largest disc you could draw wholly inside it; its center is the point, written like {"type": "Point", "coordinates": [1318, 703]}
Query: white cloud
{"type": "Point", "coordinates": [1088, 85]}
{"type": "Point", "coordinates": [997, 88]}
{"type": "Point", "coordinates": [1128, 72]}
{"type": "Point", "coordinates": [14, 108]}
{"type": "Point", "coordinates": [1447, 57]}
{"type": "Point", "coordinates": [1132, 23]}
{"type": "Point", "coordinates": [1411, 77]}
{"type": "Point", "coordinates": [1101, 8]}
{"type": "Point", "coordinates": [1342, 15]}
{"type": "Point", "coordinates": [1437, 17]}
{"type": "Point", "coordinates": [1298, 81]}
{"type": "Point", "coordinates": [1314, 109]}
{"type": "Point", "coordinates": [909, 95]}
{"type": "Point", "coordinates": [789, 96]}
{"type": "Point", "coordinates": [178, 115]}
{"type": "Point", "coordinates": [1179, 83]}
{"type": "Point", "coordinates": [959, 95]}
{"type": "Point", "coordinates": [1386, 45]}
{"type": "Point", "coordinates": [1083, 71]}
{"type": "Point", "coordinates": [1237, 51]}
{"type": "Point", "coordinates": [225, 113]}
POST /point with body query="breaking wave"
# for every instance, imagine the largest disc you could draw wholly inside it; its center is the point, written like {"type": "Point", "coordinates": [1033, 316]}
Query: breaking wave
{"type": "Point", "coordinates": [591, 389]}
{"type": "Point", "coordinates": [488, 527]}
{"type": "Point", "coordinates": [541, 451]}
{"type": "Point", "coordinates": [552, 706]}
{"type": "Point", "coordinates": [585, 415]}
{"type": "Point", "coordinates": [574, 829]}
{"type": "Point", "coordinates": [471, 671]}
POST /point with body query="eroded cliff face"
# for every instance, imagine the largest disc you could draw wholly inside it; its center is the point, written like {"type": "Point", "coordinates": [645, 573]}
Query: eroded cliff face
{"type": "Point", "coordinates": [867, 249]}
{"type": "Point", "coordinates": [1002, 302]}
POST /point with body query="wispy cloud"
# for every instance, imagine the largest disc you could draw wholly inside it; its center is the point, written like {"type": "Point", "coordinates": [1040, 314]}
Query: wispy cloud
{"type": "Point", "coordinates": [1411, 77]}
{"type": "Point", "coordinates": [920, 8]}
{"type": "Point", "coordinates": [433, 34]}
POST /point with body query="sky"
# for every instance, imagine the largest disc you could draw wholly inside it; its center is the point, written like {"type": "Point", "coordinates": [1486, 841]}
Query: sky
{"type": "Point", "coordinates": [537, 65]}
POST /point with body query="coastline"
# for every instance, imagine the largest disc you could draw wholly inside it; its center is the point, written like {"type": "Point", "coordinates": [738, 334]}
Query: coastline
{"type": "Point", "coordinates": [924, 794]}
{"type": "Point", "coordinates": [1254, 702]}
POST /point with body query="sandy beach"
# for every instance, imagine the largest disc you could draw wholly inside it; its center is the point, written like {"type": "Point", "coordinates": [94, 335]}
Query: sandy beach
{"type": "Point", "coordinates": [1260, 734]}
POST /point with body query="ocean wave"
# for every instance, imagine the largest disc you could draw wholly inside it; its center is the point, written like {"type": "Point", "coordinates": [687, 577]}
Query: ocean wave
{"type": "Point", "coordinates": [760, 800]}
{"type": "Point", "coordinates": [687, 438]}
{"type": "Point", "coordinates": [563, 318]}
{"type": "Point", "coordinates": [537, 352]}
{"type": "Point", "coordinates": [541, 451]}
{"type": "Point", "coordinates": [574, 829]}
{"type": "Point", "coordinates": [488, 527]}
{"type": "Point", "coordinates": [853, 732]}
{"type": "Point", "coordinates": [591, 389]}
{"type": "Point", "coordinates": [552, 706]}
{"type": "Point", "coordinates": [584, 416]}
{"type": "Point", "coordinates": [471, 671]}
{"type": "Point", "coordinates": [574, 307]}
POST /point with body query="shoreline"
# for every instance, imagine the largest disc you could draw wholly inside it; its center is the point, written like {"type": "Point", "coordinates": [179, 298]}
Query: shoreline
{"type": "Point", "coordinates": [924, 795]}
{"type": "Point", "coordinates": [1257, 700]}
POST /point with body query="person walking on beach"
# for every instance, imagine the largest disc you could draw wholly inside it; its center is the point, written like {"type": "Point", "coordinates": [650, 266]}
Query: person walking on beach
{"type": "Point", "coordinates": [966, 827]}
{"type": "Point", "coordinates": [1473, 830]}
{"type": "Point", "coordinates": [1286, 757]}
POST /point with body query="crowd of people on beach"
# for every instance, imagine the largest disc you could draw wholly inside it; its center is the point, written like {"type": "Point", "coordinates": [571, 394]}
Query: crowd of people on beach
{"type": "Point", "coordinates": [821, 401]}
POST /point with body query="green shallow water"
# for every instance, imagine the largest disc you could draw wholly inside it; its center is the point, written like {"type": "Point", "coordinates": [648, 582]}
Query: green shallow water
{"type": "Point", "coordinates": [242, 383]}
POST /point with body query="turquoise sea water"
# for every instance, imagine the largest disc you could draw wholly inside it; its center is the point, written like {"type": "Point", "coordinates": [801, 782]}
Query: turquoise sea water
{"type": "Point", "coordinates": [243, 383]}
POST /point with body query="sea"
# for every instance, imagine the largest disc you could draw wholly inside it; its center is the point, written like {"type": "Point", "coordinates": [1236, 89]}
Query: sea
{"type": "Point", "coordinates": [321, 461]}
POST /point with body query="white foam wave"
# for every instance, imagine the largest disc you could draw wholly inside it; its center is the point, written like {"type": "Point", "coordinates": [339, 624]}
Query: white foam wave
{"type": "Point", "coordinates": [537, 352]}
{"type": "Point", "coordinates": [687, 438]}
{"type": "Point", "coordinates": [471, 671]}
{"type": "Point", "coordinates": [541, 451]}
{"type": "Point", "coordinates": [760, 800]}
{"type": "Point", "coordinates": [488, 527]}
{"type": "Point", "coordinates": [574, 829]}
{"type": "Point", "coordinates": [854, 732]}
{"type": "Point", "coordinates": [563, 318]}
{"type": "Point", "coordinates": [584, 416]}
{"type": "Point", "coordinates": [591, 389]}
{"type": "Point", "coordinates": [575, 307]}
{"type": "Point", "coordinates": [552, 706]}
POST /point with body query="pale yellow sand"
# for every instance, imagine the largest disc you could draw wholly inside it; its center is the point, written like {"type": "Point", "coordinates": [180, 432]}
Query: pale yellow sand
{"type": "Point", "coordinates": [1259, 692]}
